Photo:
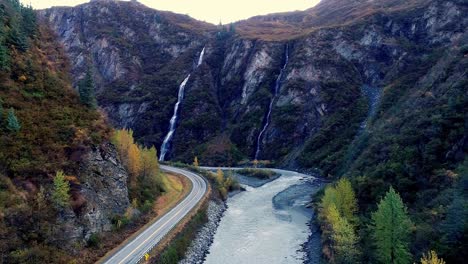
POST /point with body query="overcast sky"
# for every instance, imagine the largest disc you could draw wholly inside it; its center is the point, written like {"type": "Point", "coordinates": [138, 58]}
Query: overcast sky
{"type": "Point", "coordinates": [212, 11]}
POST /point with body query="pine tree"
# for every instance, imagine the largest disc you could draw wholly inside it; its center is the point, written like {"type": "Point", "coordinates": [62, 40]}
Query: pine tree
{"type": "Point", "coordinates": [13, 124]}
{"type": "Point", "coordinates": [86, 91]}
{"type": "Point", "coordinates": [61, 193]}
{"type": "Point", "coordinates": [29, 24]}
{"type": "Point", "coordinates": [391, 228]}
{"type": "Point", "coordinates": [431, 258]}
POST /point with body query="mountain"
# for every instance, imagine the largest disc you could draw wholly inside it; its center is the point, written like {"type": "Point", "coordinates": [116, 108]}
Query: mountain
{"type": "Point", "coordinates": [372, 90]}
{"type": "Point", "coordinates": [45, 129]}
{"type": "Point", "coordinates": [139, 58]}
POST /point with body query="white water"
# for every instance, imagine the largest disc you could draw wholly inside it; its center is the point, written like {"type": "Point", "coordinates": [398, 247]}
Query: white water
{"type": "Point", "coordinates": [270, 108]}
{"type": "Point", "coordinates": [172, 124]}
{"type": "Point", "coordinates": [254, 229]}
{"type": "Point", "coordinates": [200, 59]}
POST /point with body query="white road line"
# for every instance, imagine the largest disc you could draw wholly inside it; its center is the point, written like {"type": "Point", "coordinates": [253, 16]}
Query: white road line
{"type": "Point", "coordinates": [135, 249]}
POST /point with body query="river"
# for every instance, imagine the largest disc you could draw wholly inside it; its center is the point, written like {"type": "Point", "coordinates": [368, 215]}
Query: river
{"type": "Point", "coordinates": [268, 223]}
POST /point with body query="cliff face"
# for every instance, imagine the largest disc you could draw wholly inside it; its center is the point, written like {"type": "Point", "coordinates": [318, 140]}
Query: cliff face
{"type": "Point", "coordinates": [102, 195]}
{"type": "Point", "coordinates": [140, 56]}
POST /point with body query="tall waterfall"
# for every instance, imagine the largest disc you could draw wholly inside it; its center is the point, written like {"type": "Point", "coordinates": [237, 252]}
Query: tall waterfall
{"type": "Point", "coordinates": [172, 124]}
{"type": "Point", "coordinates": [270, 108]}
{"type": "Point", "coordinates": [200, 59]}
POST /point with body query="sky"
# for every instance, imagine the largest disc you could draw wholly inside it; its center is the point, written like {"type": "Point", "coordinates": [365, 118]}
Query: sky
{"type": "Point", "coordinates": [213, 11]}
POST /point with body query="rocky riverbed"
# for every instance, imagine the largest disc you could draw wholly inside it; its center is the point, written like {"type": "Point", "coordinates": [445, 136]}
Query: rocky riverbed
{"type": "Point", "coordinates": [198, 249]}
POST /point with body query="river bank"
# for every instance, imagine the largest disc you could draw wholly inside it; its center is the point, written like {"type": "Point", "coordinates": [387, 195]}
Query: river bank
{"type": "Point", "coordinates": [281, 223]}
{"type": "Point", "coordinates": [199, 247]}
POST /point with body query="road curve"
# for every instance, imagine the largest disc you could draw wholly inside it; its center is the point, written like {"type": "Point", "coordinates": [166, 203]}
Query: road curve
{"type": "Point", "coordinates": [134, 250]}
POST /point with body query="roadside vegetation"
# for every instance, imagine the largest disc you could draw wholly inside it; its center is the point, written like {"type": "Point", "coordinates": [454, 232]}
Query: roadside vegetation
{"type": "Point", "coordinates": [176, 186]}
{"type": "Point", "coordinates": [146, 181]}
{"type": "Point", "coordinates": [222, 183]}
{"type": "Point", "coordinates": [176, 249]}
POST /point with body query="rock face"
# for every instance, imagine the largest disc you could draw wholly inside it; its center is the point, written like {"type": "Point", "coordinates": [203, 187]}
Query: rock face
{"type": "Point", "coordinates": [104, 195]}
{"type": "Point", "coordinates": [139, 56]}
{"type": "Point", "coordinates": [105, 188]}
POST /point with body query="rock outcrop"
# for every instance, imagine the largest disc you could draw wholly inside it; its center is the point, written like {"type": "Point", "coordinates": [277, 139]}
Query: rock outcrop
{"type": "Point", "coordinates": [102, 193]}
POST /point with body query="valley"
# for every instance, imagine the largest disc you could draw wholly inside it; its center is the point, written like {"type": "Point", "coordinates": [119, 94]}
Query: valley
{"type": "Point", "coordinates": [99, 101]}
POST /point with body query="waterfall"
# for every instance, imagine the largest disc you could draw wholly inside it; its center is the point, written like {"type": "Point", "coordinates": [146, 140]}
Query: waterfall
{"type": "Point", "coordinates": [270, 108]}
{"type": "Point", "coordinates": [200, 59]}
{"type": "Point", "coordinates": [172, 124]}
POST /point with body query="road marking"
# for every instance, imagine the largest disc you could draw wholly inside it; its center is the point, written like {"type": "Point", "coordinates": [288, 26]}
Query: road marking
{"type": "Point", "coordinates": [197, 181]}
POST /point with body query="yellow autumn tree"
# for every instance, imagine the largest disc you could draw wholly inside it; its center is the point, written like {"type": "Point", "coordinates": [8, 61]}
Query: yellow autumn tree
{"type": "Point", "coordinates": [122, 140]}
{"type": "Point", "coordinates": [337, 213]}
{"type": "Point", "coordinates": [149, 162]}
{"type": "Point", "coordinates": [219, 177]}
{"type": "Point", "coordinates": [346, 199]}
{"type": "Point", "coordinates": [195, 161]}
{"type": "Point", "coordinates": [134, 161]}
{"type": "Point", "coordinates": [431, 258]}
{"type": "Point", "coordinates": [142, 165]}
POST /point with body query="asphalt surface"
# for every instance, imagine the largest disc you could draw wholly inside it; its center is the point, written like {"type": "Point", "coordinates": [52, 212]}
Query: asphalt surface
{"type": "Point", "coordinates": [134, 250]}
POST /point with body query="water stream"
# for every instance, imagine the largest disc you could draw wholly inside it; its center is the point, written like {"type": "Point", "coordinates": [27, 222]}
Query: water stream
{"type": "Point", "coordinates": [267, 224]}
{"type": "Point", "coordinates": [270, 108]}
{"type": "Point", "coordinates": [172, 124]}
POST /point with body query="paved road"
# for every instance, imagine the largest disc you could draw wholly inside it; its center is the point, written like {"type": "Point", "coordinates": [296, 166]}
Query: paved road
{"type": "Point", "coordinates": [135, 249]}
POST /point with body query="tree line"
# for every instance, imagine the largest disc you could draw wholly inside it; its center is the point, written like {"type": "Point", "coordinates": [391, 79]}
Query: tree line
{"type": "Point", "coordinates": [390, 228]}
{"type": "Point", "coordinates": [145, 179]}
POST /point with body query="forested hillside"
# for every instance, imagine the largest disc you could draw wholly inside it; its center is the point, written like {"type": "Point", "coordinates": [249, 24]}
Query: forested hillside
{"type": "Point", "coordinates": [50, 146]}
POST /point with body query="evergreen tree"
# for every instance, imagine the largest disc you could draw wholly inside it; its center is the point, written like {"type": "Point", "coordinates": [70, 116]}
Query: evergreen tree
{"type": "Point", "coordinates": [391, 228]}
{"type": "Point", "coordinates": [86, 91]}
{"type": "Point", "coordinates": [13, 124]}
{"type": "Point", "coordinates": [61, 193]}
{"type": "Point", "coordinates": [16, 36]}
{"type": "Point", "coordinates": [28, 23]}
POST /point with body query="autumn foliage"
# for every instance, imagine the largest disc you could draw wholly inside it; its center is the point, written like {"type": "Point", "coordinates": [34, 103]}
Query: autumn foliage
{"type": "Point", "coordinates": [337, 215]}
{"type": "Point", "coordinates": [145, 181]}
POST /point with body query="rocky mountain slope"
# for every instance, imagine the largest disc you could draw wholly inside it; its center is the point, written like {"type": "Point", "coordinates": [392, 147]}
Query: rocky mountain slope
{"type": "Point", "coordinates": [45, 129]}
{"type": "Point", "coordinates": [139, 58]}
{"type": "Point", "coordinates": [373, 90]}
